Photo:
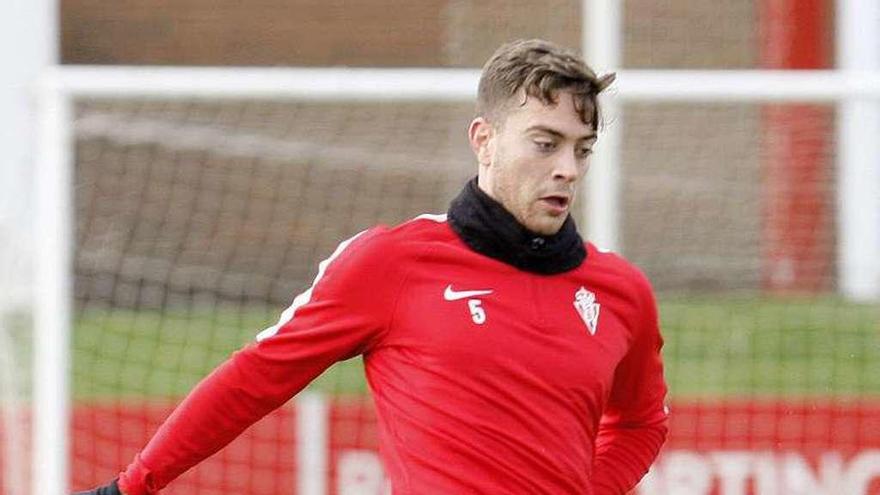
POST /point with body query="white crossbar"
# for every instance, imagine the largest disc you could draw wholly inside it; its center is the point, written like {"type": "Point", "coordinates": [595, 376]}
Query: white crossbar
{"type": "Point", "coordinates": [340, 84]}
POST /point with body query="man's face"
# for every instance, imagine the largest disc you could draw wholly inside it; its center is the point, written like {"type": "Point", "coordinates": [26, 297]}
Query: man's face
{"type": "Point", "coordinates": [532, 162]}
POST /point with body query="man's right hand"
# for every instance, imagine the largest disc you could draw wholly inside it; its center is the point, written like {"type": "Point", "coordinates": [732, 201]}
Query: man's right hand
{"type": "Point", "coordinates": [110, 489]}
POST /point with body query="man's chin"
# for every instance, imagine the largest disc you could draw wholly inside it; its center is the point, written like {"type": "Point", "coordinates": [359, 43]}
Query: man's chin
{"type": "Point", "coordinates": [546, 226]}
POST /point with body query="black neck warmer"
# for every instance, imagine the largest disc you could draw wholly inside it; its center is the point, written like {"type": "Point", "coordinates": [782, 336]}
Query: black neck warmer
{"type": "Point", "coordinates": [488, 228]}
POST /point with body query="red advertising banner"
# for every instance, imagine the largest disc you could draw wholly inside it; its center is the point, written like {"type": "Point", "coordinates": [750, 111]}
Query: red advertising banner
{"type": "Point", "coordinates": [761, 448]}
{"type": "Point", "coordinates": [792, 447]}
{"type": "Point", "coordinates": [261, 461]}
{"type": "Point", "coordinates": [807, 447]}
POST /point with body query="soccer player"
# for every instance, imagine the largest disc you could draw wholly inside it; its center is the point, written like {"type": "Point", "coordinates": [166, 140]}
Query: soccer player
{"type": "Point", "coordinates": [504, 354]}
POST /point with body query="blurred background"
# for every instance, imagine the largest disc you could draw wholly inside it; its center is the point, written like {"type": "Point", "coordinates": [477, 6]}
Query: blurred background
{"type": "Point", "coordinates": [196, 220]}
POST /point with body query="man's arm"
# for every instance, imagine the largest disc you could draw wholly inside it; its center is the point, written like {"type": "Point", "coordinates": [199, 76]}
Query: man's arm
{"type": "Point", "coordinates": [340, 316]}
{"type": "Point", "coordinates": [634, 424]}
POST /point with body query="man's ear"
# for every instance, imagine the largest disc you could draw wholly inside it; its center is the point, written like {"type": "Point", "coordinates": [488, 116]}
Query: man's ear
{"type": "Point", "coordinates": [481, 134]}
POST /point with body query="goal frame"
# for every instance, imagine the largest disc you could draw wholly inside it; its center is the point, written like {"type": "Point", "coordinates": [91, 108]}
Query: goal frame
{"type": "Point", "coordinates": [858, 192]}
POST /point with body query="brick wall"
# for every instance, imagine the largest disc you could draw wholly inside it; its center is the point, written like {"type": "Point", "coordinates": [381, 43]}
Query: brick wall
{"type": "Point", "coordinates": [671, 33]}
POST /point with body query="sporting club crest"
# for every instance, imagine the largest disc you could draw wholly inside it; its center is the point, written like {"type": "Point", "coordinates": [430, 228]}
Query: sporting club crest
{"type": "Point", "coordinates": [587, 307]}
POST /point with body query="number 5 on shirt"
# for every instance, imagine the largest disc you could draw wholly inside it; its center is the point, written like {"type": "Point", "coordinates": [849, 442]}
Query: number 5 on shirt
{"type": "Point", "coordinates": [478, 314]}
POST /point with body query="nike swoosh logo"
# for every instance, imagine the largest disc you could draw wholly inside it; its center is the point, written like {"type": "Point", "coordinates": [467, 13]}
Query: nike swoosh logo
{"type": "Point", "coordinates": [455, 295]}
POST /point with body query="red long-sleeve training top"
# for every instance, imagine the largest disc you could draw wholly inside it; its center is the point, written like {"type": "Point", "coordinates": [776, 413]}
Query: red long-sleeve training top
{"type": "Point", "coordinates": [487, 379]}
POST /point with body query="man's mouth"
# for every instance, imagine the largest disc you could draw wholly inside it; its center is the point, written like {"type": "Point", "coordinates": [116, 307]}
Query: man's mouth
{"type": "Point", "coordinates": [558, 203]}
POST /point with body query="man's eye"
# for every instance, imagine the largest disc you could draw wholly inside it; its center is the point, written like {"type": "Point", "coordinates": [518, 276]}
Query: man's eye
{"type": "Point", "coordinates": [545, 145]}
{"type": "Point", "coordinates": [584, 152]}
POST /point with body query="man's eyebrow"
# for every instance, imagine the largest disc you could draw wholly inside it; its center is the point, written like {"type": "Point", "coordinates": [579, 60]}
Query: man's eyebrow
{"type": "Point", "coordinates": [554, 132]}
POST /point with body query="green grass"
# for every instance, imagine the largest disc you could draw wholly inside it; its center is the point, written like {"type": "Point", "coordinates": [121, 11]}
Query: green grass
{"type": "Point", "coordinates": [767, 347]}
{"type": "Point", "coordinates": [163, 355]}
{"type": "Point", "coordinates": [714, 347]}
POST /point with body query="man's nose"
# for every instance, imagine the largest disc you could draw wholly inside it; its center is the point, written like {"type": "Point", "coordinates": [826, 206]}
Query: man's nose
{"type": "Point", "coordinates": [567, 169]}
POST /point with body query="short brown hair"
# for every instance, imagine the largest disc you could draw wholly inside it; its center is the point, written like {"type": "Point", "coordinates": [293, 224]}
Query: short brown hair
{"type": "Point", "coordinates": [541, 69]}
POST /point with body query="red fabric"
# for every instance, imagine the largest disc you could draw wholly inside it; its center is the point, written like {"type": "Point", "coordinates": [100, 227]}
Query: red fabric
{"type": "Point", "coordinates": [506, 401]}
{"type": "Point", "coordinates": [633, 427]}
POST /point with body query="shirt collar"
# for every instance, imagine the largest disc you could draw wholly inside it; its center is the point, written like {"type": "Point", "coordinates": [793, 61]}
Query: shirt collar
{"type": "Point", "coordinates": [488, 228]}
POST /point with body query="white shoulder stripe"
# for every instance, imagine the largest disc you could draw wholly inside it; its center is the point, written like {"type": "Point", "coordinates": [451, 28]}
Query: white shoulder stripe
{"type": "Point", "coordinates": [433, 217]}
{"type": "Point", "coordinates": [306, 296]}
